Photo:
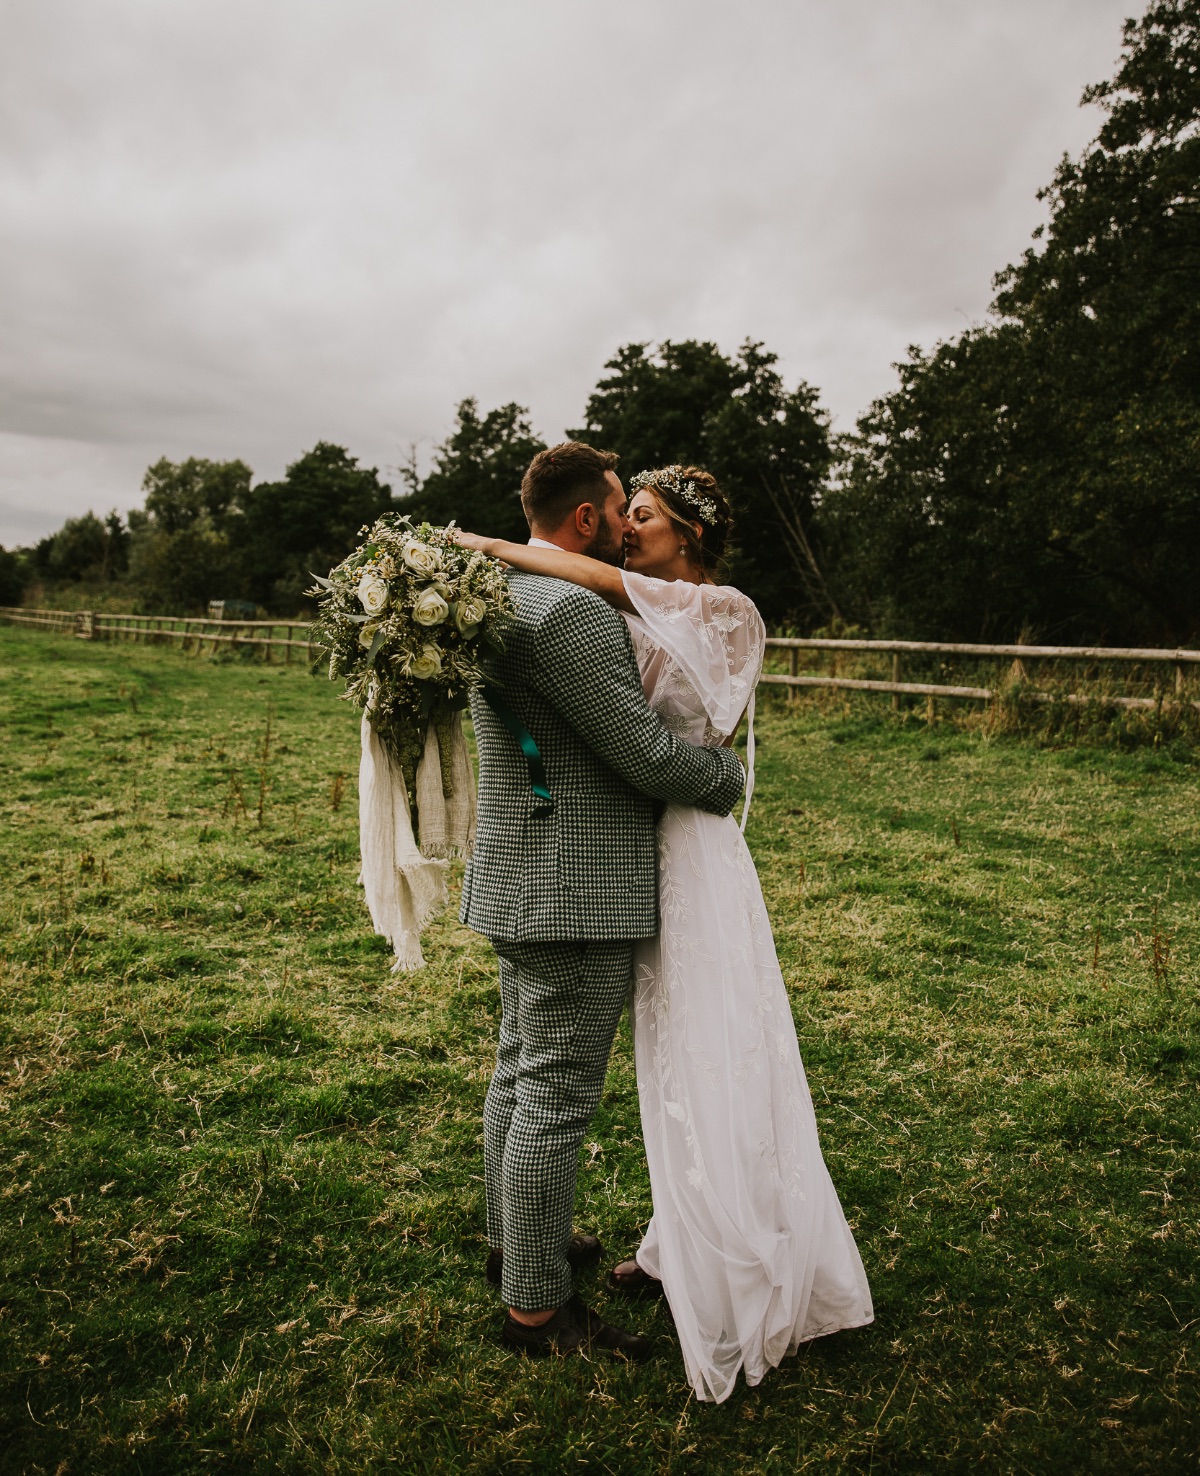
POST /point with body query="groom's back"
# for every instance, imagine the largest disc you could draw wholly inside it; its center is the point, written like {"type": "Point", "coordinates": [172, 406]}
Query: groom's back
{"type": "Point", "coordinates": [582, 865]}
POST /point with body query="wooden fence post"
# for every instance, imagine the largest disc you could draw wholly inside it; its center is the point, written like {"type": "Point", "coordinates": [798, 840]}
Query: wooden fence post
{"type": "Point", "coordinates": [794, 670]}
{"type": "Point", "coordinates": [895, 678]}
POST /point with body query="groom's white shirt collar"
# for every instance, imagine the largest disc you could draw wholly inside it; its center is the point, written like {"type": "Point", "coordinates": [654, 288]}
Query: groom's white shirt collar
{"type": "Point", "coordinates": [543, 543]}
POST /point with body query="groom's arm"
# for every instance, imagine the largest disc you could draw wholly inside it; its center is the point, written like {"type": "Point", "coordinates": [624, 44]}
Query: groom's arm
{"type": "Point", "coordinates": [584, 667]}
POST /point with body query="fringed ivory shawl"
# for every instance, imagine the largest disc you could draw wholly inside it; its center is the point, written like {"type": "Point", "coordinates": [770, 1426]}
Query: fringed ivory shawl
{"type": "Point", "coordinates": [405, 884]}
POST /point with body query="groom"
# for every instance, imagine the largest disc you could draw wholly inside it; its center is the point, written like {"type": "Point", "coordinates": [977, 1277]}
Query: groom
{"type": "Point", "coordinates": [563, 880]}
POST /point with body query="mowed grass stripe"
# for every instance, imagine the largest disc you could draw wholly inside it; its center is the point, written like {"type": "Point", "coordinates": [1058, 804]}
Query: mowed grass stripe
{"type": "Point", "coordinates": [241, 1212]}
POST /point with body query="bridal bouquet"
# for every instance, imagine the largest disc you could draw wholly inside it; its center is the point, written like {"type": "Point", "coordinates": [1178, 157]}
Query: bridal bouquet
{"type": "Point", "coordinates": [405, 621]}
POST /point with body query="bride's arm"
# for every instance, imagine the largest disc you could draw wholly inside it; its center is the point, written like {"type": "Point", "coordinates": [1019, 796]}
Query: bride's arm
{"type": "Point", "coordinates": [602, 579]}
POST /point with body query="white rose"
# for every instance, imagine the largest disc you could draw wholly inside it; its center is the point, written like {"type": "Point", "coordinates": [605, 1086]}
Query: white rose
{"type": "Point", "coordinates": [427, 664]}
{"type": "Point", "coordinates": [373, 594]}
{"type": "Point", "coordinates": [366, 634]}
{"type": "Point", "coordinates": [430, 608]}
{"type": "Point", "coordinates": [420, 558]}
{"type": "Point", "coordinates": [469, 615]}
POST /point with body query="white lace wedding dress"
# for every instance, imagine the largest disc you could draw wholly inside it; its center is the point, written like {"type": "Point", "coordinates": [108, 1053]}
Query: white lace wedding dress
{"type": "Point", "coordinates": [748, 1236]}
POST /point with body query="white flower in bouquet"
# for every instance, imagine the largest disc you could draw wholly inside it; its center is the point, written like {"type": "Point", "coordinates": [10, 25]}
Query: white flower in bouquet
{"type": "Point", "coordinates": [430, 608]}
{"type": "Point", "coordinates": [421, 558]}
{"type": "Point", "coordinates": [366, 634]}
{"type": "Point", "coordinates": [426, 664]}
{"type": "Point", "coordinates": [373, 594]}
{"type": "Point", "coordinates": [469, 615]}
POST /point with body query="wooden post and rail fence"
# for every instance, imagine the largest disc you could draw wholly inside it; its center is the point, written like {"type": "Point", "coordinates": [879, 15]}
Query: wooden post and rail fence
{"type": "Point", "coordinates": [1169, 680]}
{"type": "Point", "coordinates": [194, 635]}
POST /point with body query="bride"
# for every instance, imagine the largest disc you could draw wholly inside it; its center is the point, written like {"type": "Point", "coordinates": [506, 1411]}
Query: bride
{"type": "Point", "coordinates": [748, 1241]}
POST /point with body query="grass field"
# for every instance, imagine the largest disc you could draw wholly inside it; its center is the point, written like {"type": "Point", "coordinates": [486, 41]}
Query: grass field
{"type": "Point", "coordinates": [241, 1206]}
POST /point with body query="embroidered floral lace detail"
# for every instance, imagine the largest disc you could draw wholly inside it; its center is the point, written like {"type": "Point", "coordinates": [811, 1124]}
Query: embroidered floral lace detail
{"type": "Point", "coordinates": [700, 648]}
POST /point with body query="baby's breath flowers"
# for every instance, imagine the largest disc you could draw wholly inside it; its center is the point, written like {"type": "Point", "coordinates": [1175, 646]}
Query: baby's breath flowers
{"type": "Point", "coordinates": [405, 620]}
{"type": "Point", "coordinates": [672, 478]}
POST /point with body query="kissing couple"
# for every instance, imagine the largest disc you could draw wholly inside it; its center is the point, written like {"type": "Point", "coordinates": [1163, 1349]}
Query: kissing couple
{"type": "Point", "coordinates": [607, 867]}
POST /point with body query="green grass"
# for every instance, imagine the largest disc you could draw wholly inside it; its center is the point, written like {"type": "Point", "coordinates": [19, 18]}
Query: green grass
{"type": "Point", "coordinates": [241, 1209]}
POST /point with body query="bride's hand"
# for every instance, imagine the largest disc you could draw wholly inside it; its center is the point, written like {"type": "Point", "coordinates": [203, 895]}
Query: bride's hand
{"type": "Point", "coordinates": [472, 541]}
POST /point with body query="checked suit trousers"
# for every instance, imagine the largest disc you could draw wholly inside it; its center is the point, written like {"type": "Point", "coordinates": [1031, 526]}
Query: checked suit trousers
{"type": "Point", "coordinates": [560, 1003]}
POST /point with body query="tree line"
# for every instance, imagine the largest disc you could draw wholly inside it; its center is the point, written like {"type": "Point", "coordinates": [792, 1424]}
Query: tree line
{"type": "Point", "coordinates": [1038, 473]}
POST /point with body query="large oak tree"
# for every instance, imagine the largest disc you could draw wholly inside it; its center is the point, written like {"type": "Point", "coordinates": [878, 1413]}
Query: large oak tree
{"type": "Point", "coordinates": [1043, 470]}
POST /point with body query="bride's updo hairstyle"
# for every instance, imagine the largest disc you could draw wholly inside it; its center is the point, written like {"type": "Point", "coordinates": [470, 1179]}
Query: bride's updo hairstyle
{"type": "Point", "coordinates": [688, 495]}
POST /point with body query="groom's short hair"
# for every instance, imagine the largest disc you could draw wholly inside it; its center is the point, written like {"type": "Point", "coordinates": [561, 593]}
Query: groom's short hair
{"type": "Point", "coordinates": [560, 478]}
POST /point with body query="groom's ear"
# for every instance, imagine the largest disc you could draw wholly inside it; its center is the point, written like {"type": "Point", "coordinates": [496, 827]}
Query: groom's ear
{"type": "Point", "coordinates": [586, 519]}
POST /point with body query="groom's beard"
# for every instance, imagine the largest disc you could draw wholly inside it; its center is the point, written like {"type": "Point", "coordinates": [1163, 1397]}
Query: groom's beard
{"type": "Point", "coordinates": [606, 547]}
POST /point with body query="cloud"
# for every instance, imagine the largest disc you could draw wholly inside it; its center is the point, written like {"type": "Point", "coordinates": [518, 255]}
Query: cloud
{"type": "Point", "coordinates": [235, 228]}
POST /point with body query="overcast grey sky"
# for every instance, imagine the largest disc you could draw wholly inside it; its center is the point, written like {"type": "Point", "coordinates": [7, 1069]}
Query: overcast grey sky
{"type": "Point", "coordinates": [236, 227]}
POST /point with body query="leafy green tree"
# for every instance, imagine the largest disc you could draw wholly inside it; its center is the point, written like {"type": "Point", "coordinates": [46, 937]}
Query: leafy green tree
{"type": "Point", "coordinates": [186, 546]}
{"type": "Point", "coordinates": [477, 471]}
{"type": "Point", "coordinates": [1111, 316]}
{"type": "Point", "coordinates": [768, 446]}
{"type": "Point", "coordinates": [12, 577]}
{"type": "Point", "coordinates": [304, 524]}
{"type": "Point", "coordinates": [931, 530]}
{"type": "Point", "coordinates": [116, 549]}
{"type": "Point", "coordinates": [83, 548]}
{"type": "Point", "coordinates": [1045, 469]}
{"type": "Point", "coordinates": [179, 493]}
{"type": "Point", "coordinates": [178, 573]}
{"type": "Point", "coordinates": [654, 406]}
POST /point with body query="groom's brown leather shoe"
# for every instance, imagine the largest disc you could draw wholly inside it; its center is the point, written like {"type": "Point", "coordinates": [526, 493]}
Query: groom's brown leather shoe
{"type": "Point", "coordinates": [574, 1328]}
{"type": "Point", "coordinates": [582, 1250]}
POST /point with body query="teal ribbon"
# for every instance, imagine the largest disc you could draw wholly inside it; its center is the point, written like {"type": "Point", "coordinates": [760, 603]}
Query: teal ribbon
{"type": "Point", "coordinates": [533, 758]}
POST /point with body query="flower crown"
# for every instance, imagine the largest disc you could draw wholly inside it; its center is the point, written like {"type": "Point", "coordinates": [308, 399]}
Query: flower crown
{"type": "Point", "coordinates": [671, 478]}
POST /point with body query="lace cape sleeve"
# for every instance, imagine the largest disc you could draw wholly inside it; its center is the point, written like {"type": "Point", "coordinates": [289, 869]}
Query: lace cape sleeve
{"type": "Point", "coordinates": [712, 632]}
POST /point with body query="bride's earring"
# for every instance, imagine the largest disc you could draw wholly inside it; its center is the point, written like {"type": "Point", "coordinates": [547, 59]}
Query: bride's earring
{"type": "Point", "coordinates": [683, 548]}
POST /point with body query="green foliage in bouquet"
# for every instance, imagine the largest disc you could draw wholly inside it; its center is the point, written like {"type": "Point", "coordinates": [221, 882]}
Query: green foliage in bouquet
{"type": "Point", "coordinates": [406, 621]}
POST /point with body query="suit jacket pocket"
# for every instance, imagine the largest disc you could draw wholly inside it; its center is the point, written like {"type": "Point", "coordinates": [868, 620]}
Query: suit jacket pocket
{"type": "Point", "coordinates": [601, 858]}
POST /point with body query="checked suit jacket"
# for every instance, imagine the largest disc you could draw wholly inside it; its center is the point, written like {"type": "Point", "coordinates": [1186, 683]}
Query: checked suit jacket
{"type": "Point", "coordinates": [584, 865]}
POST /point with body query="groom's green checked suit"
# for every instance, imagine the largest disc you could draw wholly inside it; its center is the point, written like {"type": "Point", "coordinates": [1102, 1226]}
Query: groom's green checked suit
{"type": "Point", "coordinates": [562, 888]}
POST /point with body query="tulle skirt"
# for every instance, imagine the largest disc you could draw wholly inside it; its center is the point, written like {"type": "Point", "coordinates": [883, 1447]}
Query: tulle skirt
{"type": "Point", "coordinates": [748, 1235]}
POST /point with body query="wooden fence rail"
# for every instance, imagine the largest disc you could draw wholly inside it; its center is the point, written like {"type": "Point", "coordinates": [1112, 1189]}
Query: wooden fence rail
{"type": "Point", "coordinates": [194, 634]}
{"type": "Point", "coordinates": [1179, 660]}
{"type": "Point", "coordinates": [197, 634]}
